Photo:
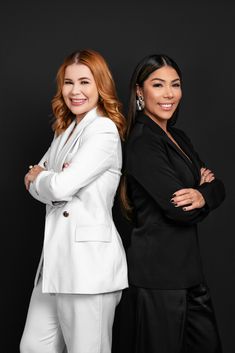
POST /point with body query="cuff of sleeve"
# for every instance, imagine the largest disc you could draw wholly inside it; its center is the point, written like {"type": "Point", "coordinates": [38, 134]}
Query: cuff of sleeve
{"type": "Point", "coordinates": [40, 176]}
{"type": "Point", "coordinates": [205, 191]}
{"type": "Point", "coordinates": [213, 193]}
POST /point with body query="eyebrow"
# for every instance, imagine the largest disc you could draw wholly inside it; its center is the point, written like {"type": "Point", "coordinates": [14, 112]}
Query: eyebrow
{"type": "Point", "coordinates": [80, 78]}
{"type": "Point", "coordinates": [84, 78]}
{"type": "Point", "coordinates": [159, 79]}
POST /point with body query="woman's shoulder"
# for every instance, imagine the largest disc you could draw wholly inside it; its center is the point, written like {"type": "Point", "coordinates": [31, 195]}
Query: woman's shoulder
{"type": "Point", "coordinates": [143, 140]}
{"type": "Point", "coordinates": [102, 124]}
{"type": "Point", "coordinates": [180, 132]}
{"type": "Point", "coordinates": [143, 134]}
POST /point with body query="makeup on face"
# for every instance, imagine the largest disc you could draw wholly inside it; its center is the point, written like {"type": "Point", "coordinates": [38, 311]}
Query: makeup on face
{"type": "Point", "coordinates": [79, 90]}
{"type": "Point", "coordinates": [162, 93]}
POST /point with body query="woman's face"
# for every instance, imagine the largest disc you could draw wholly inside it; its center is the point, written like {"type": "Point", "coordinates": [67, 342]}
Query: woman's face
{"type": "Point", "coordinates": [79, 90]}
{"type": "Point", "coordinates": [162, 93]}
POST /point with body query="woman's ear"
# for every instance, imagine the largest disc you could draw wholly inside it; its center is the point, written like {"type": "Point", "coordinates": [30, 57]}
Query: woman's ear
{"type": "Point", "coordinates": [139, 91]}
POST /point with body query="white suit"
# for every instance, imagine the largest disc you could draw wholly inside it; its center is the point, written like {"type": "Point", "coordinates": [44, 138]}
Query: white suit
{"type": "Point", "coordinates": [82, 252]}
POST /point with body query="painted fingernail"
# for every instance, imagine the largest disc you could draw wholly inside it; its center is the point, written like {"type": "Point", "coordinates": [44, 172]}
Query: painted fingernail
{"type": "Point", "coordinates": [173, 195]}
{"type": "Point", "coordinates": [184, 209]}
{"type": "Point", "coordinates": [172, 200]}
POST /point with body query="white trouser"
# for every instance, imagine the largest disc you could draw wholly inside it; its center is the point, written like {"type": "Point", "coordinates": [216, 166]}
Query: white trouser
{"type": "Point", "coordinates": [80, 322]}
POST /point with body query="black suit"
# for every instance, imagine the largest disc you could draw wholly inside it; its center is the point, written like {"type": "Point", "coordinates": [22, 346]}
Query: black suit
{"type": "Point", "coordinates": [164, 251]}
{"type": "Point", "coordinates": [167, 308]}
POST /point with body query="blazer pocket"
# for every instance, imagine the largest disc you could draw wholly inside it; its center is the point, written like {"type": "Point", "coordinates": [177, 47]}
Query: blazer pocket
{"type": "Point", "coordinates": [100, 233]}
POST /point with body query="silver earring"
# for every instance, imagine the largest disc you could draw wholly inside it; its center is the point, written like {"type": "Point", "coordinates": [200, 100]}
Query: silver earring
{"type": "Point", "coordinates": [140, 103]}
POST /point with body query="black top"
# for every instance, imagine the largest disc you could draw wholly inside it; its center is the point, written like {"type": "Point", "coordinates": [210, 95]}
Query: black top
{"type": "Point", "coordinates": [164, 249]}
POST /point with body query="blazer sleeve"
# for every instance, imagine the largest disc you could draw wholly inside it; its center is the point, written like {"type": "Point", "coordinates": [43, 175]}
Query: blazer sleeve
{"type": "Point", "coordinates": [95, 155]}
{"type": "Point", "coordinates": [32, 189]}
{"type": "Point", "coordinates": [148, 163]}
{"type": "Point", "coordinates": [213, 192]}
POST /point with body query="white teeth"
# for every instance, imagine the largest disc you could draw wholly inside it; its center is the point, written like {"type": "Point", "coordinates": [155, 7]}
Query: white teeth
{"type": "Point", "coordinates": [77, 100]}
{"type": "Point", "coordinates": [166, 105]}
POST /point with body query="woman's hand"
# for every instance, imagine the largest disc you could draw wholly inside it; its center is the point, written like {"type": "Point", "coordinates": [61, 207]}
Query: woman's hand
{"type": "Point", "coordinates": [189, 199]}
{"type": "Point", "coordinates": [206, 176]}
{"type": "Point", "coordinates": [32, 175]}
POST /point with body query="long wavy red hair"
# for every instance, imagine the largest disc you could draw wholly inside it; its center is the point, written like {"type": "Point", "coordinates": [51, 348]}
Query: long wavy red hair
{"type": "Point", "coordinates": [108, 104]}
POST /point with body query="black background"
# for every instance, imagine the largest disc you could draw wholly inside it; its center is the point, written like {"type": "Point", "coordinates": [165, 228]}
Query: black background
{"type": "Point", "coordinates": [35, 38]}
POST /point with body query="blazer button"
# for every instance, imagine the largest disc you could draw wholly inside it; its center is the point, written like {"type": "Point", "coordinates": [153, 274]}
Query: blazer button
{"type": "Point", "coordinates": [65, 214]}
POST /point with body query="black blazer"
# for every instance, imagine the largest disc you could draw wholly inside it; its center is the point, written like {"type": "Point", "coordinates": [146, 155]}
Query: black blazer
{"type": "Point", "coordinates": [164, 249]}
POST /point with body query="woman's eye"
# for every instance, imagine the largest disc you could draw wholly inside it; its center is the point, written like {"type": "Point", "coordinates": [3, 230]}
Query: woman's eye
{"type": "Point", "coordinates": [84, 82]}
{"type": "Point", "coordinates": [157, 85]}
{"type": "Point", "coordinates": [67, 83]}
{"type": "Point", "coordinates": [176, 85]}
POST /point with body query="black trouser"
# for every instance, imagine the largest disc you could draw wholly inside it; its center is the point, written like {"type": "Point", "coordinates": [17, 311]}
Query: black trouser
{"type": "Point", "coordinates": [166, 321]}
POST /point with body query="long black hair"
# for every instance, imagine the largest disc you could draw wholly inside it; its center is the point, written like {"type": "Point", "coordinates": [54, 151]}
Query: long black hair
{"type": "Point", "coordinates": [142, 71]}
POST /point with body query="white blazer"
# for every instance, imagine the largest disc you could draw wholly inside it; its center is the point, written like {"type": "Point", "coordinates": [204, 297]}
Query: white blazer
{"type": "Point", "coordinates": [82, 251]}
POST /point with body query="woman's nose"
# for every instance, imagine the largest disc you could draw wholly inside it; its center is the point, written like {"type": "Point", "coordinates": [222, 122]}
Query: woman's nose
{"type": "Point", "coordinates": [168, 92]}
{"type": "Point", "coordinates": [76, 89]}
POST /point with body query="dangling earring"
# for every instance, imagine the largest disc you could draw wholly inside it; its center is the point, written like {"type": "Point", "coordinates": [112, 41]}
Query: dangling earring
{"type": "Point", "coordinates": [140, 103]}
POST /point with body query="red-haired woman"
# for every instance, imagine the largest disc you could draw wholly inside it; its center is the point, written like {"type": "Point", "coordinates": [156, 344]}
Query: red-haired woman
{"type": "Point", "coordinates": [83, 262]}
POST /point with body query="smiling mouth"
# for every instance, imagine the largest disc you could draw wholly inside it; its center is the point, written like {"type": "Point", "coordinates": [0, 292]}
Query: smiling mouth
{"type": "Point", "coordinates": [166, 106]}
{"type": "Point", "coordinates": [77, 102]}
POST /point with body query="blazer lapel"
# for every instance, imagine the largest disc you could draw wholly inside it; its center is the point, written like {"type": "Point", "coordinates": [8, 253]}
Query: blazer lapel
{"type": "Point", "coordinates": [191, 162]}
{"type": "Point", "coordinates": [64, 147]}
{"type": "Point", "coordinates": [187, 155]}
{"type": "Point", "coordinates": [58, 144]}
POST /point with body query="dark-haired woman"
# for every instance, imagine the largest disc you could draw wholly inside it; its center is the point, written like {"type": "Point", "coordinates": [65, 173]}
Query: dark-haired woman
{"type": "Point", "coordinates": [83, 262]}
{"type": "Point", "coordinates": [170, 190]}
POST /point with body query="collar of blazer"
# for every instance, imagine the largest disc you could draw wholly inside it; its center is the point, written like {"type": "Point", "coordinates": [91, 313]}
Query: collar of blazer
{"type": "Point", "coordinates": [192, 161]}
{"type": "Point", "coordinates": [61, 148]}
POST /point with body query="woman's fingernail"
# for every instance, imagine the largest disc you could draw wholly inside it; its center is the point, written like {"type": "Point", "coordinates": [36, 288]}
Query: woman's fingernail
{"type": "Point", "coordinates": [172, 200]}
{"type": "Point", "coordinates": [184, 209]}
{"type": "Point", "coordinates": [173, 195]}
